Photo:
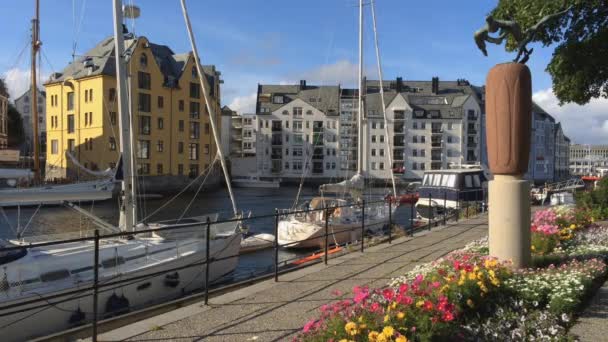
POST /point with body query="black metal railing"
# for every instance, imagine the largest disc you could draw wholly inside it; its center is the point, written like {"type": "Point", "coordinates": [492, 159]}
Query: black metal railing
{"type": "Point", "coordinates": [111, 283]}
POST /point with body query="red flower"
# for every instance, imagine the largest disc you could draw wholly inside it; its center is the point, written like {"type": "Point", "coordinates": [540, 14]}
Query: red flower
{"type": "Point", "coordinates": [403, 288]}
{"type": "Point", "coordinates": [428, 305]}
{"type": "Point", "coordinates": [447, 316]}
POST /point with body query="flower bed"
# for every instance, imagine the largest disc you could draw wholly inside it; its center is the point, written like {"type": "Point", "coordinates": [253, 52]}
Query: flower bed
{"type": "Point", "coordinates": [468, 295]}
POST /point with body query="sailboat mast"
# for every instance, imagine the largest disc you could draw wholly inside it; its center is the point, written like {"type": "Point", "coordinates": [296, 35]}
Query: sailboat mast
{"type": "Point", "coordinates": [210, 110]}
{"type": "Point", "coordinates": [360, 99]}
{"type": "Point", "coordinates": [127, 207]}
{"type": "Point", "coordinates": [34, 88]}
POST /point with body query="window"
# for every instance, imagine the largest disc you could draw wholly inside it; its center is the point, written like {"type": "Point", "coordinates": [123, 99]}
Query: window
{"type": "Point", "coordinates": [373, 152]}
{"type": "Point", "coordinates": [415, 139]}
{"type": "Point", "coordinates": [373, 165]}
{"type": "Point", "coordinates": [414, 166]}
{"type": "Point", "coordinates": [415, 125]}
{"type": "Point", "coordinates": [180, 169]}
{"type": "Point", "coordinates": [71, 123]}
{"type": "Point", "coordinates": [309, 112]}
{"type": "Point", "coordinates": [277, 99]}
{"type": "Point", "coordinates": [195, 130]}
{"type": "Point", "coordinates": [373, 138]}
{"type": "Point", "coordinates": [468, 181]}
{"type": "Point", "coordinates": [180, 147]}
{"type": "Point", "coordinates": [414, 153]}
{"type": "Point", "coordinates": [113, 118]}
{"type": "Point", "coordinates": [381, 151]}
{"type": "Point", "coordinates": [144, 102]}
{"type": "Point", "coordinates": [207, 129]}
{"type": "Point", "coordinates": [374, 125]}
{"type": "Point", "coordinates": [159, 169]}
{"type": "Point", "coordinates": [193, 172]}
{"type": "Point", "coordinates": [90, 95]}
{"type": "Point", "coordinates": [143, 80]}
{"type": "Point", "coordinates": [54, 146]}
{"type": "Point", "coordinates": [206, 148]}
{"type": "Point", "coordinates": [180, 125]}
{"type": "Point", "coordinates": [181, 105]}
{"type": "Point", "coordinates": [297, 126]}
{"type": "Point", "coordinates": [297, 152]}
{"type": "Point", "coordinates": [160, 102]}
{"type": "Point", "coordinates": [307, 124]}
{"type": "Point", "coordinates": [71, 145]}
{"type": "Point", "coordinates": [160, 123]}
{"type": "Point", "coordinates": [160, 146]}
{"type": "Point", "coordinates": [297, 111]}
{"type": "Point", "coordinates": [144, 124]}
{"type": "Point", "coordinates": [143, 60]}
{"type": "Point", "coordinates": [112, 144]}
{"type": "Point", "coordinates": [193, 151]}
{"type": "Point", "coordinates": [422, 153]}
{"type": "Point", "coordinates": [450, 140]}
{"type": "Point", "coordinates": [143, 149]}
{"type": "Point", "coordinates": [195, 109]}
{"type": "Point", "coordinates": [382, 138]}
{"type": "Point", "coordinates": [195, 90]}
{"type": "Point", "coordinates": [112, 94]}
{"type": "Point", "coordinates": [194, 72]}
{"type": "Point", "coordinates": [422, 139]}
{"type": "Point", "coordinates": [422, 166]}
{"type": "Point", "coordinates": [143, 169]}
{"type": "Point", "coordinates": [286, 124]}
{"type": "Point", "coordinates": [381, 166]}
{"type": "Point", "coordinates": [70, 101]}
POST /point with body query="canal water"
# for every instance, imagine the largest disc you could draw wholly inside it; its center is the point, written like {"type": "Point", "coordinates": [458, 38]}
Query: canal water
{"type": "Point", "coordinates": [52, 220]}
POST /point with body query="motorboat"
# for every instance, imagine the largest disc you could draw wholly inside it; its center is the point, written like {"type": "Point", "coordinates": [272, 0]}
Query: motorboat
{"type": "Point", "coordinates": [255, 182]}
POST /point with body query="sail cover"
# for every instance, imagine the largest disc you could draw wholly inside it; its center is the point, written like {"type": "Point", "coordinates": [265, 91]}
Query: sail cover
{"type": "Point", "coordinates": [355, 184]}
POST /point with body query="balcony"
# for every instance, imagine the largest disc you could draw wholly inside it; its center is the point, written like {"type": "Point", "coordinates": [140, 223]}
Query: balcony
{"type": "Point", "coordinates": [435, 165]}
{"type": "Point", "coordinates": [436, 131]}
{"type": "Point", "coordinates": [277, 142]}
{"type": "Point", "coordinates": [398, 156]}
{"type": "Point", "coordinates": [436, 156]}
{"type": "Point", "coordinates": [472, 145]}
{"type": "Point", "coordinates": [400, 129]}
{"type": "Point", "coordinates": [436, 145]}
{"type": "Point", "coordinates": [472, 131]}
{"type": "Point", "coordinates": [399, 143]}
{"type": "Point", "coordinates": [399, 115]}
{"type": "Point", "coordinates": [472, 117]}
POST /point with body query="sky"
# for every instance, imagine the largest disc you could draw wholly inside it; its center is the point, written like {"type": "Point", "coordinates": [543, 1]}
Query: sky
{"type": "Point", "coordinates": [283, 41]}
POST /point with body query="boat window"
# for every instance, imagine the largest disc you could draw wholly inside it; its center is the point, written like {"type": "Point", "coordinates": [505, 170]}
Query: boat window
{"type": "Point", "coordinates": [451, 181]}
{"type": "Point", "coordinates": [476, 181]}
{"type": "Point", "coordinates": [425, 180]}
{"type": "Point", "coordinates": [437, 180]}
{"type": "Point", "coordinates": [55, 275]}
{"type": "Point", "coordinates": [445, 180]}
{"type": "Point", "coordinates": [468, 182]}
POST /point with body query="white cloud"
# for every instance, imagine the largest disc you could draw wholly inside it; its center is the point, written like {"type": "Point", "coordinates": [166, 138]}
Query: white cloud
{"type": "Point", "coordinates": [243, 104]}
{"type": "Point", "coordinates": [586, 124]}
{"type": "Point", "coordinates": [341, 72]}
{"type": "Point", "coordinates": [17, 81]}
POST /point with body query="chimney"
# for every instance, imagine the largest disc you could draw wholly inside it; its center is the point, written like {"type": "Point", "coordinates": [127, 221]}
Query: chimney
{"type": "Point", "coordinates": [302, 84]}
{"type": "Point", "coordinates": [435, 85]}
{"type": "Point", "coordinates": [399, 84]}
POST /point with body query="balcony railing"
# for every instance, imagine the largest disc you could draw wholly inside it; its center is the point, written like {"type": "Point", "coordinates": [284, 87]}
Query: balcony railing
{"type": "Point", "coordinates": [399, 143]}
{"type": "Point", "coordinates": [435, 166]}
{"type": "Point", "coordinates": [435, 156]}
{"type": "Point", "coordinates": [399, 129]}
{"type": "Point", "coordinates": [471, 131]}
{"type": "Point", "coordinates": [436, 145]}
{"type": "Point", "coordinates": [436, 131]}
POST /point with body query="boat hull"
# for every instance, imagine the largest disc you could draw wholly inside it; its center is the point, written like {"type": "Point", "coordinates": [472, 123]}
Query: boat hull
{"type": "Point", "coordinates": [256, 184]}
{"type": "Point", "coordinates": [296, 234]}
{"type": "Point", "coordinates": [32, 320]}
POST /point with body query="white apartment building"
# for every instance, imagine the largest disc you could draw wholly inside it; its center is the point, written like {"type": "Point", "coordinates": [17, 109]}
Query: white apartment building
{"type": "Point", "coordinates": [588, 160]}
{"type": "Point", "coordinates": [23, 104]}
{"type": "Point", "coordinates": [311, 131]}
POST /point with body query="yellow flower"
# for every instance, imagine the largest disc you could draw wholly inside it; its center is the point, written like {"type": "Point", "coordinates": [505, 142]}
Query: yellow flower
{"type": "Point", "coordinates": [401, 339]}
{"type": "Point", "coordinates": [573, 226]}
{"type": "Point", "coordinates": [470, 303]}
{"type": "Point", "coordinates": [388, 331]}
{"type": "Point", "coordinates": [444, 288]}
{"type": "Point", "coordinates": [373, 336]}
{"type": "Point", "coordinates": [387, 318]}
{"type": "Point", "coordinates": [476, 268]}
{"type": "Point", "coordinates": [400, 315]}
{"type": "Point", "coordinates": [382, 338]}
{"type": "Point", "coordinates": [472, 276]}
{"type": "Point", "coordinates": [533, 248]}
{"type": "Point", "coordinates": [351, 328]}
{"type": "Point", "coordinates": [419, 303]}
{"type": "Point", "coordinates": [394, 305]}
{"type": "Point", "coordinates": [360, 319]}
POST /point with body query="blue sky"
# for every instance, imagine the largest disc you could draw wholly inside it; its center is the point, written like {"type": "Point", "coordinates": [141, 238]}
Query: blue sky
{"type": "Point", "coordinates": [283, 41]}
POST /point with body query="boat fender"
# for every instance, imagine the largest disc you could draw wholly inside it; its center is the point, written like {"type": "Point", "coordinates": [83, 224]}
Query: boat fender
{"type": "Point", "coordinates": [77, 317]}
{"type": "Point", "coordinates": [172, 280]}
{"type": "Point", "coordinates": [117, 305]}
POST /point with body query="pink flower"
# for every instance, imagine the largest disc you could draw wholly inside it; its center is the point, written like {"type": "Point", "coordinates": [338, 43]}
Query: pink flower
{"type": "Point", "coordinates": [406, 300]}
{"type": "Point", "coordinates": [308, 326]}
{"type": "Point", "coordinates": [435, 284]}
{"type": "Point", "coordinates": [403, 288]}
{"type": "Point", "coordinates": [447, 316]}
{"type": "Point", "coordinates": [388, 294]}
{"type": "Point", "coordinates": [428, 305]}
{"type": "Point", "coordinates": [361, 294]}
{"type": "Point", "coordinates": [374, 307]}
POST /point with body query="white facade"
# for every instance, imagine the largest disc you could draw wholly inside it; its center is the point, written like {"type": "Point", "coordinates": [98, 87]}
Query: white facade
{"type": "Point", "coordinates": [298, 139]}
{"type": "Point", "coordinates": [23, 104]}
{"type": "Point", "coordinates": [588, 160]}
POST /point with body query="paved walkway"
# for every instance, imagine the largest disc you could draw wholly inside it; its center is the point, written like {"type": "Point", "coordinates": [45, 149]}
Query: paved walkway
{"type": "Point", "coordinates": [591, 325]}
{"type": "Point", "coordinates": [270, 311]}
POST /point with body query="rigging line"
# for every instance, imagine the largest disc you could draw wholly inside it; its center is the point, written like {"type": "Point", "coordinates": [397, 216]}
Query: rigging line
{"type": "Point", "coordinates": [378, 63]}
{"type": "Point", "coordinates": [199, 189]}
{"type": "Point", "coordinates": [46, 59]}
{"type": "Point", "coordinates": [7, 221]}
{"type": "Point", "coordinates": [77, 27]}
{"type": "Point", "coordinates": [29, 221]}
{"type": "Point", "coordinates": [179, 193]}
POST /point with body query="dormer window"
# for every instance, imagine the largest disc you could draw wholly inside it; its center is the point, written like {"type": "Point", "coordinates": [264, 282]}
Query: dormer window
{"type": "Point", "coordinates": [419, 113]}
{"type": "Point", "coordinates": [194, 73]}
{"type": "Point", "coordinates": [143, 60]}
{"type": "Point", "coordinates": [434, 113]}
{"type": "Point", "coordinates": [277, 99]}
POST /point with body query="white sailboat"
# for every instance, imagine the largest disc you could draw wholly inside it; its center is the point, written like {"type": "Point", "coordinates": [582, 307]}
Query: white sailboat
{"type": "Point", "coordinates": [48, 288]}
{"type": "Point", "coordinates": [307, 230]}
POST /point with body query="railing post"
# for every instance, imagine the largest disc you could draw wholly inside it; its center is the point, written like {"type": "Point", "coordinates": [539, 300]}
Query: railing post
{"type": "Point", "coordinates": [445, 206]}
{"type": "Point", "coordinates": [95, 284]}
{"type": "Point", "coordinates": [207, 261]}
{"type": "Point", "coordinates": [326, 234]}
{"type": "Point", "coordinates": [412, 219]}
{"type": "Point", "coordinates": [430, 210]}
{"type": "Point", "coordinates": [362, 225]}
{"type": "Point", "coordinates": [276, 245]}
{"type": "Point", "coordinates": [457, 205]}
{"type": "Point", "coordinates": [390, 220]}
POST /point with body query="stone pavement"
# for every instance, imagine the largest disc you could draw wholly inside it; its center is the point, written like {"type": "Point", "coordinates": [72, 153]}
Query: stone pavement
{"type": "Point", "coordinates": [270, 311]}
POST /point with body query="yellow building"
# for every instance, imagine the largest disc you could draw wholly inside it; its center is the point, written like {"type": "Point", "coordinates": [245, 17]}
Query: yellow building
{"type": "Point", "coordinates": [170, 124]}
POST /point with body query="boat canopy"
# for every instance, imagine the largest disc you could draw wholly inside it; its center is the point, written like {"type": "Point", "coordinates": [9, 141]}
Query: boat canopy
{"type": "Point", "coordinates": [354, 186]}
